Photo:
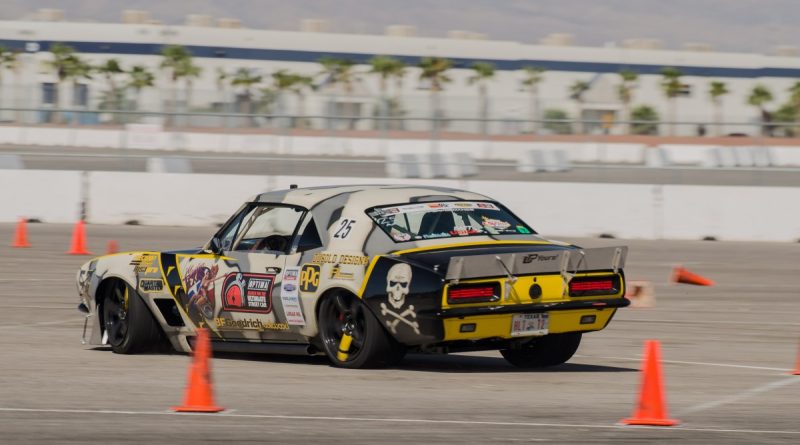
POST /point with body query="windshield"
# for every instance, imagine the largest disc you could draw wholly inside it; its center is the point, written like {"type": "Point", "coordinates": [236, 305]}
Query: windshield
{"type": "Point", "coordinates": [451, 219]}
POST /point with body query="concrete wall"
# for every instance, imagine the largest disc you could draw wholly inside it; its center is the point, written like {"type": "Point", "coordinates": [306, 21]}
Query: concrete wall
{"type": "Point", "coordinates": [562, 209]}
{"type": "Point", "coordinates": [153, 138]}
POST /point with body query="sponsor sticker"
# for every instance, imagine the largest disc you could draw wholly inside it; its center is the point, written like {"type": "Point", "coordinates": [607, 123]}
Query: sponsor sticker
{"type": "Point", "coordinates": [248, 292]}
{"type": "Point", "coordinates": [151, 285]}
{"type": "Point", "coordinates": [338, 274]}
{"type": "Point", "coordinates": [249, 324]}
{"type": "Point", "coordinates": [332, 258]}
{"type": "Point", "coordinates": [144, 263]}
{"type": "Point", "coordinates": [309, 278]}
{"type": "Point", "coordinates": [523, 229]}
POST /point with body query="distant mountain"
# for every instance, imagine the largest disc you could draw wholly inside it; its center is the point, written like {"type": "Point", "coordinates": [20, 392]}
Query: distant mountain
{"type": "Point", "coordinates": [729, 25]}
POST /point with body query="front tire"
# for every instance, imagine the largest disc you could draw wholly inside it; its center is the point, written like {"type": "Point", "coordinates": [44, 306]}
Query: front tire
{"type": "Point", "coordinates": [128, 322]}
{"type": "Point", "coordinates": [550, 350]}
{"type": "Point", "coordinates": [343, 315]}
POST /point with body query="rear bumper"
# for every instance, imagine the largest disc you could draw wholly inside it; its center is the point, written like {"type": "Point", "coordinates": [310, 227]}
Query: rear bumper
{"type": "Point", "coordinates": [474, 324]}
{"type": "Point", "coordinates": [533, 308]}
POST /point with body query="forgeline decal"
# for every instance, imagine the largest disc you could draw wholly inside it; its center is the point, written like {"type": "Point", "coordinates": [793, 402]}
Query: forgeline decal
{"type": "Point", "coordinates": [250, 323]}
{"type": "Point", "coordinates": [248, 292]}
{"type": "Point", "coordinates": [355, 260]}
{"type": "Point", "coordinates": [144, 263]}
{"type": "Point", "coordinates": [337, 274]}
{"type": "Point", "coordinates": [309, 278]}
{"type": "Point", "coordinates": [151, 285]}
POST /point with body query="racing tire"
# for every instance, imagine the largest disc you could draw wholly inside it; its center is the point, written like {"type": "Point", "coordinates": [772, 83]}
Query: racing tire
{"type": "Point", "coordinates": [371, 345]}
{"type": "Point", "coordinates": [550, 350]}
{"type": "Point", "coordinates": [128, 322]}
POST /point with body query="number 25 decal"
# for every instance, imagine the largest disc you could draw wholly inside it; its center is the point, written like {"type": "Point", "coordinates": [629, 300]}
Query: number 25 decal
{"type": "Point", "coordinates": [344, 228]}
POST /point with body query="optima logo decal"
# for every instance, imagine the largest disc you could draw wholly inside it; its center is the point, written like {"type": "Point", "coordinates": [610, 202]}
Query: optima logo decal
{"type": "Point", "coordinates": [248, 292]}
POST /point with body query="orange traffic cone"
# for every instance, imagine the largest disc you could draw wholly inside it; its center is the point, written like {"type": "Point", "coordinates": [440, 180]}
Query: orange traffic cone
{"type": "Point", "coordinates": [652, 406]}
{"type": "Point", "coordinates": [681, 275]}
{"type": "Point", "coordinates": [21, 235]}
{"type": "Point", "coordinates": [79, 240]}
{"type": "Point", "coordinates": [199, 396]}
{"type": "Point", "coordinates": [797, 366]}
{"type": "Point", "coordinates": [112, 247]}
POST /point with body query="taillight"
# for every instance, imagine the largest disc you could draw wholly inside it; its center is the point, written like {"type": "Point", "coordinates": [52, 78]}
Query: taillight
{"type": "Point", "coordinates": [589, 286]}
{"type": "Point", "coordinates": [473, 293]}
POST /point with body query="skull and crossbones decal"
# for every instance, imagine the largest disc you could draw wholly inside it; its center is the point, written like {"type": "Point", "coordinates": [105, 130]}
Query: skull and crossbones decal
{"type": "Point", "coordinates": [398, 284]}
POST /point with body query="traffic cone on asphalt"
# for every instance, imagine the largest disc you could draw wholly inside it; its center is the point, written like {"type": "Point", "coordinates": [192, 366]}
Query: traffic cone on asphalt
{"type": "Point", "coordinates": [681, 275]}
{"type": "Point", "coordinates": [199, 396]}
{"type": "Point", "coordinates": [651, 408]}
{"type": "Point", "coordinates": [112, 247]}
{"type": "Point", "coordinates": [79, 240]}
{"type": "Point", "coordinates": [21, 234]}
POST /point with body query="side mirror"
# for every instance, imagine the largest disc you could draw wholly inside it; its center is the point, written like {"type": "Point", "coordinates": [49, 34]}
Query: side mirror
{"type": "Point", "coordinates": [215, 246]}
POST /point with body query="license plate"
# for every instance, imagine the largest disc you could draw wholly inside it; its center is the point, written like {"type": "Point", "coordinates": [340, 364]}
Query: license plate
{"type": "Point", "coordinates": [529, 324]}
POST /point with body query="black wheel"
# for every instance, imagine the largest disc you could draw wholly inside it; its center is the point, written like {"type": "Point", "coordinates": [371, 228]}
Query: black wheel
{"type": "Point", "coordinates": [550, 350]}
{"type": "Point", "coordinates": [128, 322]}
{"type": "Point", "coordinates": [344, 315]}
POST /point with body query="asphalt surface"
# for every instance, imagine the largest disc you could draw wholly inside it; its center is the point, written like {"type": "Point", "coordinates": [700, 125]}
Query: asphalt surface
{"type": "Point", "coordinates": [63, 158]}
{"type": "Point", "coordinates": [727, 350]}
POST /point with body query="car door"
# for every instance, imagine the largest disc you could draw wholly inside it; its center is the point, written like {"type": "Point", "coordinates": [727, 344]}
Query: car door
{"type": "Point", "coordinates": [237, 293]}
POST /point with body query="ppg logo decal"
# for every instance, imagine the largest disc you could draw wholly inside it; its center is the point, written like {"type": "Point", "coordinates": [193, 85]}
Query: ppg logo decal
{"type": "Point", "coordinates": [309, 278]}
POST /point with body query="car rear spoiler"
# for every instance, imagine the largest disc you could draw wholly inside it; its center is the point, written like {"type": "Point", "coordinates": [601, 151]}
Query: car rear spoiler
{"type": "Point", "coordinates": [566, 262]}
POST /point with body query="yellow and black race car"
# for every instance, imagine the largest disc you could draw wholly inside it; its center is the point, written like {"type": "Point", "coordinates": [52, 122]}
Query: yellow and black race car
{"type": "Point", "coordinates": [362, 274]}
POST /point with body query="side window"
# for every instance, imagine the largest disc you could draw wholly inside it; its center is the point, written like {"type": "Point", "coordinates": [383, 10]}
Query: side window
{"type": "Point", "coordinates": [310, 238]}
{"type": "Point", "coordinates": [229, 232]}
{"type": "Point", "coordinates": [268, 229]}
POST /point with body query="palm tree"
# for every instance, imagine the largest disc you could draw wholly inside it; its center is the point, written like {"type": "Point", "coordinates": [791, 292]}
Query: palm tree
{"type": "Point", "coordinates": [759, 97]}
{"type": "Point", "coordinates": [576, 92]}
{"type": "Point", "coordinates": [794, 100]}
{"type": "Point", "coordinates": [482, 73]}
{"type": "Point", "coordinates": [246, 78]}
{"type": "Point", "coordinates": [533, 76]}
{"type": "Point", "coordinates": [301, 83]}
{"type": "Point", "coordinates": [110, 70]}
{"type": "Point", "coordinates": [77, 69]}
{"type": "Point", "coordinates": [189, 71]}
{"type": "Point", "coordinates": [8, 60]}
{"type": "Point", "coordinates": [717, 89]}
{"type": "Point", "coordinates": [434, 71]}
{"type": "Point", "coordinates": [139, 79]}
{"type": "Point", "coordinates": [60, 64]}
{"type": "Point", "coordinates": [341, 72]}
{"type": "Point", "coordinates": [174, 60]}
{"type": "Point", "coordinates": [625, 91]}
{"type": "Point", "coordinates": [672, 87]}
{"type": "Point", "coordinates": [386, 68]}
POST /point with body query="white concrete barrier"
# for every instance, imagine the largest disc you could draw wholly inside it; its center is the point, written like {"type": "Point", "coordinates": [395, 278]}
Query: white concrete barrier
{"type": "Point", "coordinates": [49, 195]}
{"type": "Point", "coordinates": [568, 209]}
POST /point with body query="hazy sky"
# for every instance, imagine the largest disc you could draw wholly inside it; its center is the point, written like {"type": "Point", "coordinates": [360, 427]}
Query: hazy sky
{"type": "Point", "coordinates": [730, 25]}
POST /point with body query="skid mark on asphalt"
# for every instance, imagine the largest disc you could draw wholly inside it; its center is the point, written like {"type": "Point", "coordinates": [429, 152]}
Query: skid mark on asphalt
{"type": "Point", "coordinates": [395, 420]}
{"type": "Point", "coordinates": [742, 395]}
{"type": "Point", "coordinates": [679, 362]}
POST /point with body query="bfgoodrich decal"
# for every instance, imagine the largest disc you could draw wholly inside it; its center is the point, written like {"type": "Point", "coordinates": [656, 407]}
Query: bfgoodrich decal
{"type": "Point", "coordinates": [248, 292]}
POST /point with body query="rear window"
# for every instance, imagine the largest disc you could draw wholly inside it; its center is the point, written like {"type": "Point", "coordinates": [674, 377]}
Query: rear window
{"type": "Point", "coordinates": [451, 219]}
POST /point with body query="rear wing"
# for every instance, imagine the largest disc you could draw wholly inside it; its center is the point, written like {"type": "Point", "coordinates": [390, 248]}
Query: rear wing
{"type": "Point", "coordinates": [566, 262]}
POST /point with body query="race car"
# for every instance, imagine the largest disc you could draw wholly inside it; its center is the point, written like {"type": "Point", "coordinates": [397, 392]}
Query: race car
{"type": "Point", "coordinates": [362, 274]}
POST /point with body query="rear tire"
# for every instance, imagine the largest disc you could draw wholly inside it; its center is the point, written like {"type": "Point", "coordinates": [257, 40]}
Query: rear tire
{"type": "Point", "coordinates": [550, 350]}
{"type": "Point", "coordinates": [128, 322]}
{"type": "Point", "coordinates": [371, 346]}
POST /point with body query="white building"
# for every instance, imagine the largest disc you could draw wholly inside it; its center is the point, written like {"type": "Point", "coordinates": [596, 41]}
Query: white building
{"type": "Point", "coordinates": [228, 47]}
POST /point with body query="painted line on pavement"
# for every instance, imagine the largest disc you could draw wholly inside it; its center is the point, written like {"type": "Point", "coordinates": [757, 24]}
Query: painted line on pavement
{"type": "Point", "coordinates": [397, 420]}
{"type": "Point", "coordinates": [742, 395]}
{"type": "Point", "coordinates": [680, 362]}
{"type": "Point", "coordinates": [43, 323]}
